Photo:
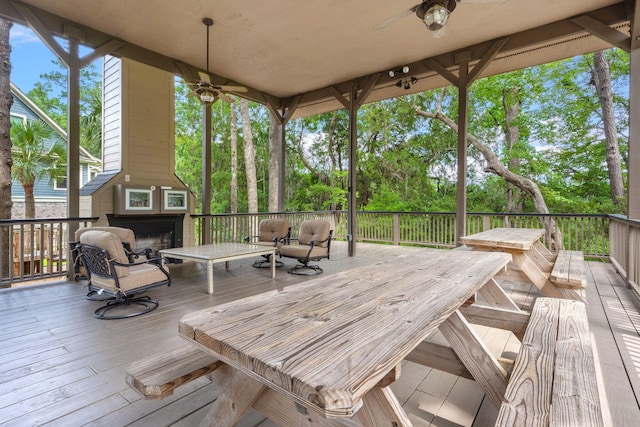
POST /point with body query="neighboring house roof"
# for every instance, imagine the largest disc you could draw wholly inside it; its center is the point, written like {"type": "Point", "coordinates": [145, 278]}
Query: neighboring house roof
{"type": "Point", "coordinates": [85, 156]}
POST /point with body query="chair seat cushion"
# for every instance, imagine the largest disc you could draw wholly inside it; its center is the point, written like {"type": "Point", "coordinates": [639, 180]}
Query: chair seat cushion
{"type": "Point", "coordinates": [139, 276]}
{"type": "Point", "coordinates": [314, 230]}
{"type": "Point", "coordinates": [113, 245]}
{"type": "Point", "coordinates": [126, 235]}
{"type": "Point", "coordinates": [300, 251]}
{"type": "Point", "coordinates": [270, 229]}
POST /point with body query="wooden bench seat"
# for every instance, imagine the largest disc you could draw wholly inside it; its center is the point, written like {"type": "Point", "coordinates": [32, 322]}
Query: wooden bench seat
{"type": "Point", "coordinates": [157, 376]}
{"type": "Point", "coordinates": [569, 270]}
{"type": "Point", "coordinates": [553, 382]}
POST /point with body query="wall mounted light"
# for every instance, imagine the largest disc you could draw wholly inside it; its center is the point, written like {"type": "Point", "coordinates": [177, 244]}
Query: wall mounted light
{"type": "Point", "coordinates": [403, 82]}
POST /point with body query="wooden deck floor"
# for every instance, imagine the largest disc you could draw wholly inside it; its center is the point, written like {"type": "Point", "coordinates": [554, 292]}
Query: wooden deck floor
{"type": "Point", "coordinates": [62, 367]}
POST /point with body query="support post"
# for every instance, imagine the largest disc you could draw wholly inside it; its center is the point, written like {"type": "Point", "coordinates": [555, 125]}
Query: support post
{"type": "Point", "coordinates": [73, 140]}
{"type": "Point", "coordinates": [353, 158]}
{"type": "Point", "coordinates": [633, 190]}
{"type": "Point", "coordinates": [206, 173]}
{"type": "Point", "coordinates": [463, 95]}
{"type": "Point", "coordinates": [282, 114]}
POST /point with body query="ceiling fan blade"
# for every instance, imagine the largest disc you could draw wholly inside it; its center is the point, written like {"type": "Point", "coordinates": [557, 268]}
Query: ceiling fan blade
{"type": "Point", "coordinates": [192, 94]}
{"type": "Point", "coordinates": [393, 19]}
{"type": "Point", "coordinates": [225, 98]}
{"type": "Point", "coordinates": [228, 88]}
{"type": "Point", "coordinates": [204, 77]}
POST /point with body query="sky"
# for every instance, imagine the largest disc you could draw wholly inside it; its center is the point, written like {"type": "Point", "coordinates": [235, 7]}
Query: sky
{"type": "Point", "coordinates": [29, 58]}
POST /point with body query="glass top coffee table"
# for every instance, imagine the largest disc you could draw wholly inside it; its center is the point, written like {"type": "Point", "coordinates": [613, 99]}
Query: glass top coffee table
{"type": "Point", "coordinates": [221, 252]}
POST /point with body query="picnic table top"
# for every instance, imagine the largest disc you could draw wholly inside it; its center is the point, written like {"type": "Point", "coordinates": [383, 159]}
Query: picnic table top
{"type": "Point", "coordinates": [509, 238]}
{"type": "Point", "coordinates": [326, 342]}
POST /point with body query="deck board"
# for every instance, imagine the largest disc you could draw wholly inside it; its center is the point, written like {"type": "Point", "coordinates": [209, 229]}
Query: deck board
{"type": "Point", "coordinates": [61, 366]}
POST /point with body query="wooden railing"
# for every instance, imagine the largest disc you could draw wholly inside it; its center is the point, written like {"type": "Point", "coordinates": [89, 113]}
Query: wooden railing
{"type": "Point", "coordinates": [588, 233]}
{"type": "Point", "coordinates": [39, 247]}
{"type": "Point", "coordinates": [625, 249]}
{"type": "Point", "coordinates": [35, 249]}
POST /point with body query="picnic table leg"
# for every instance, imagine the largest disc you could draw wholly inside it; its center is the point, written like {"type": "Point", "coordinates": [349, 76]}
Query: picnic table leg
{"type": "Point", "coordinates": [537, 277]}
{"type": "Point", "coordinates": [381, 408]}
{"type": "Point", "coordinates": [239, 393]}
{"type": "Point", "coordinates": [495, 296]}
{"type": "Point", "coordinates": [477, 358]}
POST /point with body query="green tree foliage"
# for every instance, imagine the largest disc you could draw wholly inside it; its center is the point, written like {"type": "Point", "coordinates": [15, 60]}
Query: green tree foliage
{"type": "Point", "coordinates": [36, 155]}
{"type": "Point", "coordinates": [407, 163]}
{"type": "Point", "coordinates": [50, 94]}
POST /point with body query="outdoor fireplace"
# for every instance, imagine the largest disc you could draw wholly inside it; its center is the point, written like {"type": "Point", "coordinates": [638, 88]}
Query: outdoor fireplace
{"type": "Point", "coordinates": [152, 231]}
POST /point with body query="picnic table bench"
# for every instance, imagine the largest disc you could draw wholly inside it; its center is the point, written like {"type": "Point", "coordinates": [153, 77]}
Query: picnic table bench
{"type": "Point", "coordinates": [553, 381]}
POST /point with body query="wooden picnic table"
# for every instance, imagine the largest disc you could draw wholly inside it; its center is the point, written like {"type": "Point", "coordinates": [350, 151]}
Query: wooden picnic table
{"type": "Point", "coordinates": [329, 347]}
{"type": "Point", "coordinates": [529, 254]}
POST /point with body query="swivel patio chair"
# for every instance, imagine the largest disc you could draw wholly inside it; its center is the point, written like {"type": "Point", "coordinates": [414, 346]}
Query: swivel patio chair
{"type": "Point", "coordinates": [127, 237]}
{"type": "Point", "coordinates": [110, 273]}
{"type": "Point", "coordinates": [271, 232]}
{"type": "Point", "coordinates": [313, 244]}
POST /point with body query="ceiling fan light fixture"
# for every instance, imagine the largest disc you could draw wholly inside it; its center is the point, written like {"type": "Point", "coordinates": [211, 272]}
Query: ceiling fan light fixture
{"type": "Point", "coordinates": [399, 83]}
{"type": "Point", "coordinates": [206, 96]}
{"type": "Point", "coordinates": [436, 17]}
{"type": "Point", "coordinates": [435, 13]}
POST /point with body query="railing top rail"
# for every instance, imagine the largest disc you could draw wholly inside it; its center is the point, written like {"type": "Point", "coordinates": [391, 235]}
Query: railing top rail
{"type": "Point", "coordinates": [622, 218]}
{"type": "Point", "coordinates": [41, 220]}
{"type": "Point", "coordinates": [200, 215]}
{"type": "Point", "coordinates": [530, 214]}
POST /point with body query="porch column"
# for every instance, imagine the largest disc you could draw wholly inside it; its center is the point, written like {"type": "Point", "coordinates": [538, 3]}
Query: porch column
{"type": "Point", "coordinates": [461, 205]}
{"type": "Point", "coordinates": [353, 158]}
{"type": "Point", "coordinates": [73, 134]}
{"type": "Point", "coordinates": [356, 99]}
{"type": "Point", "coordinates": [633, 191]}
{"type": "Point", "coordinates": [282, 115]}
{"type": "Point", "coordinates": [206, 173]}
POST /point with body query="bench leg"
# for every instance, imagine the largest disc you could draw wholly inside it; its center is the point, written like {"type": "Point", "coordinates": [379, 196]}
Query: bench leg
{"type": "Point", "coordinates": [477, 358]}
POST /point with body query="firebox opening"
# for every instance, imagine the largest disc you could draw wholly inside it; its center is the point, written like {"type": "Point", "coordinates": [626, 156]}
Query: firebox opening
{"type": "Point", "coordinates": [152, 231]}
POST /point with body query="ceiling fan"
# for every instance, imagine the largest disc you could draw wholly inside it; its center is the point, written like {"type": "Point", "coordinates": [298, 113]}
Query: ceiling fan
{"type": "Point", "coordinates": [205, 89]}
{"type": "Point", "coordinates": [434, 13]}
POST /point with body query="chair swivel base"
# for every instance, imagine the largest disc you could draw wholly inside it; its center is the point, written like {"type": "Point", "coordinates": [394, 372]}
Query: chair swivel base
{"type": "Point", "coordinates": [122, 308]}
{"type": "Point", "coordinates": [305, 270]}
{"type": "Point", "coordinates": [265, 263]}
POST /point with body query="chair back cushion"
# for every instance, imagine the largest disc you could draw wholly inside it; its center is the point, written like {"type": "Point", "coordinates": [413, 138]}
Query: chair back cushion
{"type": "Point", "coordinates": [269, 229]}
{"type": "Point", "coordinates": [110, 242]}
{"type": "Point", "coordinates": [125, 234]}
{"type": "Point", "coordinates": [314, 229]}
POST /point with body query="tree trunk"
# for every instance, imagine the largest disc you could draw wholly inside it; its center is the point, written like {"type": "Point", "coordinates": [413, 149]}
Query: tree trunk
{"type": "Point", "coordinates": [274, 163]}
{"type": "Point", "coordinates": [29, 201]}
{"type": "Point", "coordinates": [496, 167]}
{"type": "Point", "coordinates": [6, 160]}
{"type": "Point", "coordinates": [511, 105]}
{"type": "Point", "coordinates": [602, 81]}
{"type": "Point", "coordinates": [234, 158]}
{"type": "Point", "coordinates": [249, 157]}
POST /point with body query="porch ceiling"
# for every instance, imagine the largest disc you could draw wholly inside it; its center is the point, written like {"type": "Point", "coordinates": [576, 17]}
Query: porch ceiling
{"type": "Point", "coordinates": [284, 49]}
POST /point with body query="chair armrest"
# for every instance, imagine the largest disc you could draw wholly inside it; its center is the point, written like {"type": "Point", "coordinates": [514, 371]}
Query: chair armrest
{"type": "Point", "coordinates": [144, 251]}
